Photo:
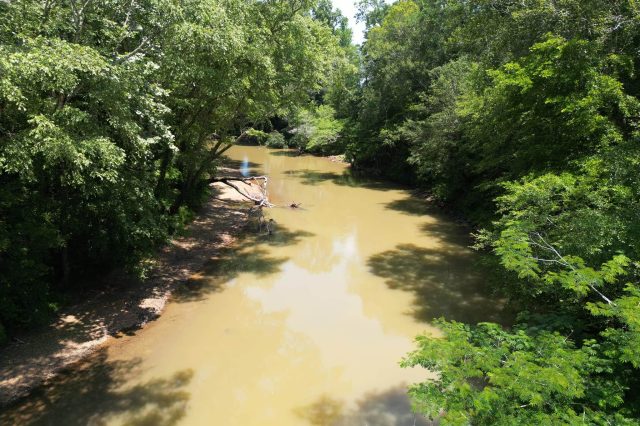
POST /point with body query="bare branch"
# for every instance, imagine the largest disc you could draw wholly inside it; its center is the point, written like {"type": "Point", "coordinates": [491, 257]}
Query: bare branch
{"type": "Point", "coordinates": [125, 57]}
{"type": "Point", "coordinates": [562, 261]}
{"type": "Point", "coordinates": [125, 25]}
{"type": "Point", "coordinates": [263, 201]}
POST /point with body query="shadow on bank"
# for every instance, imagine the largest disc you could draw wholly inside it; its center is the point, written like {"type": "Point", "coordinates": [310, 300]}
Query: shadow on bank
{"type": "Point", "coordinates": [94, 394]}
{"type": "Point", "coordinates": [388, 408]}
{"type": "Point", "coordinates": [118, 304]}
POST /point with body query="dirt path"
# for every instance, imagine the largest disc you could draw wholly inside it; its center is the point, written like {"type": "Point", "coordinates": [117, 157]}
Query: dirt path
{"type": "Point", "coordinates": [122, 308]}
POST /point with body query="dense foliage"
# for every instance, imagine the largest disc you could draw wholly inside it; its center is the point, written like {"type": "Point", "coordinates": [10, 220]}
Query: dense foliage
{"type": "Point", "coordinates": [113, 114]}
{"type": "Point", "coordinates": [523, 114]}
{"type": "Point", "coordinates": [526, 116]}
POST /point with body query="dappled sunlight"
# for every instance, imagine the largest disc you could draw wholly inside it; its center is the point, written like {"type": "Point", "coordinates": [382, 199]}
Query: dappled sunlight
{"type": "Point", "coordinates": [303, 322]}
{"type": "Point", "coordinates": [99, 391]}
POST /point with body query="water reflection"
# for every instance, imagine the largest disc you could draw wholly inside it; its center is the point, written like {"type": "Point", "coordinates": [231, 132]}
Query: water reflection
{"type": "Point", "coordinates": [344, 177]}
{"type": "Point", "coordinates": [244, 167]}
{"type": "Point", "coordinates": [304, 326]}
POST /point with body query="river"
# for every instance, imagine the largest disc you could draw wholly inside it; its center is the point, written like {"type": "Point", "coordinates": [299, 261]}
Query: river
{"type": "Point", "coordinates": [302, 327]}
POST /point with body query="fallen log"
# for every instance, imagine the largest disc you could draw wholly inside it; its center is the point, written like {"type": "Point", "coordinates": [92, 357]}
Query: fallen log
{"type": "Point", "coordinates": [262, 201]}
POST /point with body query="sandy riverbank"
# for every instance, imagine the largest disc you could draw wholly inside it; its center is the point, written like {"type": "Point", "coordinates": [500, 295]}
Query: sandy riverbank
{"type": "Point", "coordinates": [125, 306]}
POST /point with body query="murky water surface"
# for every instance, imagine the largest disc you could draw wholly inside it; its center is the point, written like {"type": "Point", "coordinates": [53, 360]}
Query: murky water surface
{"type": "Point", "coordinates": [303, 327]}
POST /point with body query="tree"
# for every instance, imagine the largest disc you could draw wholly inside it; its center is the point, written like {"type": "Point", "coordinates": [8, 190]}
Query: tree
{"type": "Point", "coordinates": [113, 117]}
{"type": "Point", "coordinates": [525, 116]}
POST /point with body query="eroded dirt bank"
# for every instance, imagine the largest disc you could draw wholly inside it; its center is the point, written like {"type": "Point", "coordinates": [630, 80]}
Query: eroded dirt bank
{"type": "Point", "coordinates": [123, 307]}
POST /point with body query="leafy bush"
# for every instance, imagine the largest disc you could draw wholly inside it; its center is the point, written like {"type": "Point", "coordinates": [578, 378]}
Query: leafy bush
{"type": "Point", "coordinates": [317, 131]}
{"type": "Point", "coordinates": [256, 136]}
{"type": "Point", "coordinates": [275, 139]}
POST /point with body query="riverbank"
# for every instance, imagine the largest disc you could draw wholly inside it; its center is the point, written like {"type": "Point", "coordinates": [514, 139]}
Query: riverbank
{"type": "Point", "coordinates": [125, 306]}
{"type": "Point", "coordinates": [278, 327]}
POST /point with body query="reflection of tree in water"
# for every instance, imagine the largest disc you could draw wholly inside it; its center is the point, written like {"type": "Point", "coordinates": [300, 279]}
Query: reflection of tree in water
{"type": "Point", "coordinates": [444, 282]}
{"type": "Point", "coordinates": [389, 408]}
{"type": "Point", "coordinates": [93, 394]}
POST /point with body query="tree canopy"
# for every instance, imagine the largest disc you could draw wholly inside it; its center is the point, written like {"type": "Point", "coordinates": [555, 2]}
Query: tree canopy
{"type": "Point", "coordinates": [524, 115]}
{"type": "Point", "coordinates": [113, 115]}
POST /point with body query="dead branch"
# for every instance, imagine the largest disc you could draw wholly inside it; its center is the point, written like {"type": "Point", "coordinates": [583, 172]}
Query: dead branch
{"type": "Point", "coordinates": [263, 201]}
{"type": "Point", "coordinates": [543, 244]}
{"type": "Point", "coordinates": [127, 56]}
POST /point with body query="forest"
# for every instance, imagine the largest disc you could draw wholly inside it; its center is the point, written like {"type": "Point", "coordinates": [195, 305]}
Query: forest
{"type": "Point", "coordinates": [113, 115]}
{"type": "Point", "coordinates": [523, 116]}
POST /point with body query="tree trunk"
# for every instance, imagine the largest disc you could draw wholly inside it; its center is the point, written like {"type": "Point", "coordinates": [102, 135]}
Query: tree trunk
{"type": "Point", "coordinates": [164, 166]}
{"type": "Point", "coordinates": [64, 260]}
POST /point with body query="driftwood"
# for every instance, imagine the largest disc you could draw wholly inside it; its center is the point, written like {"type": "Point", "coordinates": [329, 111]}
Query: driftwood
{"type": "Point", "coordinates": [260, 181]}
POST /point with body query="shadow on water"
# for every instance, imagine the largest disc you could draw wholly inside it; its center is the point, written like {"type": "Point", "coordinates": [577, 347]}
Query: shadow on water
{"type": "Point", "coordinates": [389, 408]}
{"type": "Point", "coordinates": [346, 178]}
{"type": "Point", "coordinates": [413, 206]}
{"type": "Point", "coordinates": [280, 236]}
{"type": "Point", "coordinates": [94, 393]}
{"type": "Point", "coordinates": [247, 255]}
{"type": "Point", "coordinates": [117, 307]}
{"type": "Point", "coordinates": [448, 232]}
{"type": "Point", "coordinates": [286, 153]}
{"type": "Point", "coordinates": [445, 282]}
{"type": "Point", "coordinates": [236, 167]}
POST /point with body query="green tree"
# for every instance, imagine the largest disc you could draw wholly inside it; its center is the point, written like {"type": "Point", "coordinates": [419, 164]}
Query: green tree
{"type": "Point", "coordinates": [113, 116]}
{"type": "Point", "coordinates": [524, 115]}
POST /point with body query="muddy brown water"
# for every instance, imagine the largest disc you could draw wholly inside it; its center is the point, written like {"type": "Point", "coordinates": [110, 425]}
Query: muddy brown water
{"type": "Point", "coordinates": [302, 327]}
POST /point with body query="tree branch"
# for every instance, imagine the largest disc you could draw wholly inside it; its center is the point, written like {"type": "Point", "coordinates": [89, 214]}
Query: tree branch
{"type": "Point", "coordinates": [562, 261]}
{"type": "Point", "coordinates": [125, 57]}
{"type": "Point", "coordinates": [264, 201]}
